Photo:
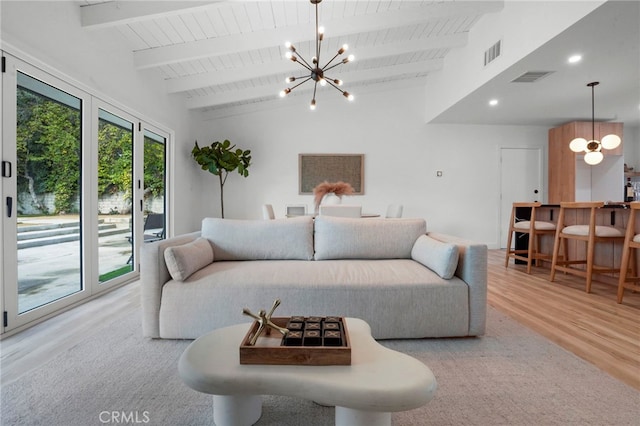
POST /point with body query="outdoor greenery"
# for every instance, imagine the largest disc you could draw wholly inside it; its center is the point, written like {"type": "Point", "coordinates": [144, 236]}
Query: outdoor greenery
{"type": "Point", "coordinates": [154, 168]}
{"type": "Point", "coordinates": [219, 159]}
{"type": "Point", "coordinates": [49, 148]}
{"type": "Point", "coordinates": [115, 159]}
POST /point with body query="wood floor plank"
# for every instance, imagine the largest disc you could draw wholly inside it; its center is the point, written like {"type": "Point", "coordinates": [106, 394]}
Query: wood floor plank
{"type": "Point", "coordinates": [592, 326]}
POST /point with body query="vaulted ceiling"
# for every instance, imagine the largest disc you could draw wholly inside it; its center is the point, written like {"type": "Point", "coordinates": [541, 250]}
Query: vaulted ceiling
{"type": "Point", "coordinates": [218, 54]}
{"type": "Point", "coordinates": [233, 52]}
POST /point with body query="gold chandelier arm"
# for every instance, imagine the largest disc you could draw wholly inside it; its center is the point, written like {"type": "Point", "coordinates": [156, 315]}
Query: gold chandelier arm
{"type": "Point", "coordinates": [302, 82]}
{"type": "Point", "coordinates": [340, 52]}
{"type": "Point", "coordinates": [304, 63]}
{"type": "Point", "coordinates": [334, 65]}
{"type": "Point", "coordinates": [335, 86]}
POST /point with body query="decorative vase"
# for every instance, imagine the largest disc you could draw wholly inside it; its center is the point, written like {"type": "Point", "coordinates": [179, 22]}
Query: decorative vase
{"type": "Point", "coordinates": [331, 199]}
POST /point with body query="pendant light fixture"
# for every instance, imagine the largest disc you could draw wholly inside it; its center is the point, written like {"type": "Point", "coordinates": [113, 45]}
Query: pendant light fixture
{"type": "Point", "coordinates": [317, 73]}
{"type": "Point", "coordinates": [593, 148]}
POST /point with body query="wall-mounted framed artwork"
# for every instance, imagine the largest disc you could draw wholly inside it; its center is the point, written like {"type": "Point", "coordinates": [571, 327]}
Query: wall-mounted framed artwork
{"type": "Point", "coordinates": [317, 168]}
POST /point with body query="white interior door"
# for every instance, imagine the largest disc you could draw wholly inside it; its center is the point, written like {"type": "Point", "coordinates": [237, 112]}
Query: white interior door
{"type": "Point", "coordinates": [520, 180]}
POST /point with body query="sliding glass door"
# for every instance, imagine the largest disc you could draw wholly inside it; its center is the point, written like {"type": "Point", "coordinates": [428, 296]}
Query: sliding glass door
{"type": "Point", "coordinates": [43, 151]}
{"type": "Point", "coordinates": [49, 200]}
{"type": "Point", "coordinates": [83, 188]}
{"type": "Point", "coordinates": [155, 178]}
{"type": "Point", "coordinates": [115, 195]}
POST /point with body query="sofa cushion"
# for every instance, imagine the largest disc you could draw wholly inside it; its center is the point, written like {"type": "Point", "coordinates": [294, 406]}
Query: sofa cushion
{"type": "Point", "coordinates": [441, 258]}
{"type": "Point", "coordinates": [399, 298]}
{"type": "Point", "coordinates": [370, 238]}
{"type": "Point", "coordinates": [260, 239]}
{"type": "Point", "coordinates": [184, 260]}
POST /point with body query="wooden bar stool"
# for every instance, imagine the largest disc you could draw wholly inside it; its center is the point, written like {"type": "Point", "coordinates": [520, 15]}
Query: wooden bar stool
{"type": "Point", "coordinates": [535, 229]}
{"type": "Point", "coordinates": [588, 233]}
{"type": "Point", "coordinates": [631, 241]}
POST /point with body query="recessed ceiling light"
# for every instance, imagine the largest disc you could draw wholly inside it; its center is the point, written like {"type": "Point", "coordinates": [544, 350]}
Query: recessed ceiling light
{"type": "Point", "coordinates": [493, 102]}
{"type": "Point", "coordinates": [575, 58]}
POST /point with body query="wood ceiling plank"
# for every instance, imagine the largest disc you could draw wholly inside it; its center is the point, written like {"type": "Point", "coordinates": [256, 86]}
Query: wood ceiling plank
{"type": "Point", "coordinates": [264, 39]}
{"type": "Point", "coordinates": [273, 89]}
{"type": "Point", "coordinates": [114, 13]}
{"type": "Point", "coordinates": [229, 74]}
{"type": "Point", "coordinates": [193, 26]}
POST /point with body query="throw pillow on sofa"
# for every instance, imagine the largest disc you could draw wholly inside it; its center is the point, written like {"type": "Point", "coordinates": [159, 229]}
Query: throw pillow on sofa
{"type": "Point", "coordinates": [184, 260]}
{"type": "Point", "coordinates": [278, 239]}
{"type": "Point", "coordinates": [441, 258]}
{"type": "Point", "coordinates": [371, 238]}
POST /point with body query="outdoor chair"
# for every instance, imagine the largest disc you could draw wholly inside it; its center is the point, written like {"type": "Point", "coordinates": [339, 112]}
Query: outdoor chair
{"type": "Point", "coordinates": [153, 230]}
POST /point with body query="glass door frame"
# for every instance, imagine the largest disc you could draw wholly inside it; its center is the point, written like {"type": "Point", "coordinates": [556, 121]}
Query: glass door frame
{"type": "Point", "coordinates": [9, 189]}
{"type": "Point", "coordinates": [93, 237]}
{"type": "Point", "coordinates": [90, 105]}
{"type": "Point", "coordinates": [139, 230]}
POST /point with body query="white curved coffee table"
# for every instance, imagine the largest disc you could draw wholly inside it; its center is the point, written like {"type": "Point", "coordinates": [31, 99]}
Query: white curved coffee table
{"type": "Point", "coordinates": [378, 381]}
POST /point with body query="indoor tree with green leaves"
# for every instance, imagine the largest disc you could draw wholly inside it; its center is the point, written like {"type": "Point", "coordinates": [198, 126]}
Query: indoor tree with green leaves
{"type": "Point", "coordinates": [221, 158]}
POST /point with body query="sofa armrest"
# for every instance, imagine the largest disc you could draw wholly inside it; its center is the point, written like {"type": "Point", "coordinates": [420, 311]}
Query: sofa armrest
{"type": "Point", "coordinates": [472, 269]}
{"type": "Point", "coordinates": [153, 275]}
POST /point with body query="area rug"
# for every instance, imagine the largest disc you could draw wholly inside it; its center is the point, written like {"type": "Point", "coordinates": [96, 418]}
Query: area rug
{"type": "Point", "coordinates": [510, 376]}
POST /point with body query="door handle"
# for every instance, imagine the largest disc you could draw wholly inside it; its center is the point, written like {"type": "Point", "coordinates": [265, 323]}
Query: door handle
{"type": "Point", "coordinates": [6, 169]}
{"type": "Point", "coordinates": [9, 206]}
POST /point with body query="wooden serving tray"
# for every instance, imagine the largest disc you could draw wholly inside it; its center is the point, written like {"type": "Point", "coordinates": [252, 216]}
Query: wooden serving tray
{"type": "Point", "coordinates": [268, 349]}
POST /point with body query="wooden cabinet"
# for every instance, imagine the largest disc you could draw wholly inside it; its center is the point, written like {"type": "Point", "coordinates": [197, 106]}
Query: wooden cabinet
{"type": "Point", "coordinates": [565, 170]}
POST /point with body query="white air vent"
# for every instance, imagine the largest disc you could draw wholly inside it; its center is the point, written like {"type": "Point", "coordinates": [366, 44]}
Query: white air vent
{"type": "Point", "coordinates": [531, 76]}
{"type": "Point", "coordinates": [492, 53]}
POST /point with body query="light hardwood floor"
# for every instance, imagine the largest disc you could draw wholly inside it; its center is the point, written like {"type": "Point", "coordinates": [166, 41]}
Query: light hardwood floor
{"type": "Point", "coordinates": [592, 326]}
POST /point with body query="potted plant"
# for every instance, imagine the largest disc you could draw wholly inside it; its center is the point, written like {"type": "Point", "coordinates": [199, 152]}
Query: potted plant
{"type": "Point", "coordinates": [221, 158]}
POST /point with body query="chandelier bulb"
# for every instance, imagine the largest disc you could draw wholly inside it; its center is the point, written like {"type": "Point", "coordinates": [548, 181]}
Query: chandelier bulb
{"type": "Point", "coordinates": [314, 60]}
{"type": "Point", "coordinates": [347, 95]}
{"type": "Point", "coordinates": [611, 141]}
{"type": "Point", "coordinates": [323, 82]}
{"type": "Point", "coordinates": [290, 46]}
{"type": "Point", "coordinates": [594, 157]}
{"type": "Point", "coordinates": [289, 79]}
{"type": "Point", "coordinates": [338, 82]}
{"type": "Point", "coordinates": [312, 107]}
{"type": "Point", "coordinates": [348, 59]}
{"type": "Point", "coordinates": [285, 92]}
{"type": "Point", "coordinates": [578, 145]}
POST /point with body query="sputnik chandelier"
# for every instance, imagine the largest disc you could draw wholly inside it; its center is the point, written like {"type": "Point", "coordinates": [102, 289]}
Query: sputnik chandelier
{"type": "Point", "coordinates": [593, 148]}
{"type": "Point", "coordinates": [317, 73]}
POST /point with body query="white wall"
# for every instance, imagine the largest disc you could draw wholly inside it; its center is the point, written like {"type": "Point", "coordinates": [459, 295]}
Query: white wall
{"type": "Point", "coordinates": [464, 69]}
{"type": "Point", "coordinates": [402, 155]}
{"type": "Point", "coordinates": [631, 147]}
{"type": "Point", "coordinates": [48, 35]}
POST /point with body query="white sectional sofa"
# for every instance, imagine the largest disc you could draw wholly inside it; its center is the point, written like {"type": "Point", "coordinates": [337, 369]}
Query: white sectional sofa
{"type": "Point", "coordinates": [403, 281]}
